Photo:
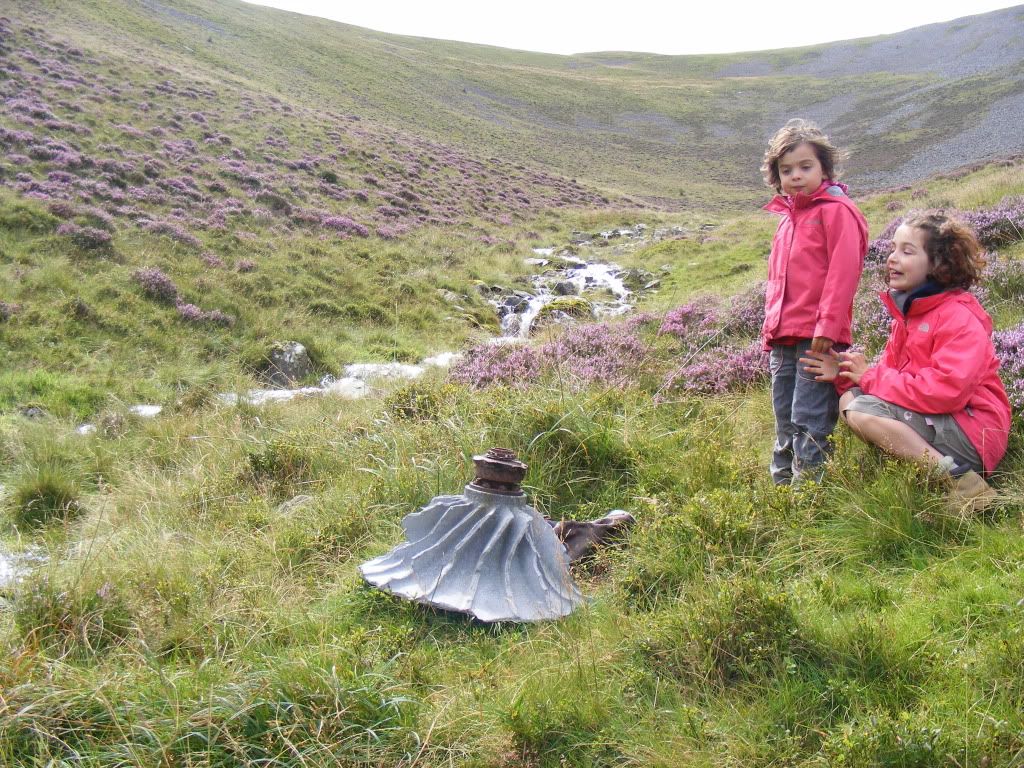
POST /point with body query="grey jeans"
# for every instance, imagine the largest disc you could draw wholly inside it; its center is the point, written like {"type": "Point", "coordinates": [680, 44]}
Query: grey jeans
{"type": "Point", "coordinates": [806, 412]}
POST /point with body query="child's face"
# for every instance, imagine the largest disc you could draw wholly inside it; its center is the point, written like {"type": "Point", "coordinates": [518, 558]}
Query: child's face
{"type": "Point", "coordinates": [908, 264]}
{"type": "Point", "coordinates": [800, 170]}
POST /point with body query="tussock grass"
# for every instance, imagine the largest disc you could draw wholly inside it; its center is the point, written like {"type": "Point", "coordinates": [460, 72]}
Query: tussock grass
{"type": "Point", "coordinates": [191, 618]}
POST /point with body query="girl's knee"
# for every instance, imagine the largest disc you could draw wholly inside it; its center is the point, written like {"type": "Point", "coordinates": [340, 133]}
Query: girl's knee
{"type": "Point", "coordinates": [853, 420]}
{"type": "Point", "coordinates": [844, 402]}
{"type": "Point", "coordinates": [865, 425]}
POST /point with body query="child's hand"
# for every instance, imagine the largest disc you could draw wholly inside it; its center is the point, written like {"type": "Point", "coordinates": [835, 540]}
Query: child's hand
{"type": "Point", "coordinates": [824, 365]}
{"type": "Point", "coordinates": [852, 366]}
{"type": "Point", "coordinates": [821, 344]}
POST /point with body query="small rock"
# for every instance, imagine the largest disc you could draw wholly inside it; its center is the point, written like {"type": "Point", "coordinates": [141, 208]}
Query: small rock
{"type": "Point", "coordinates": [580, 238]}
{"type": "Point", "coordinates": [112, 424]}
{"type": "Point", "coordinates": [449, 296]}
{"type": "Point", "coordinates": [287, 507]}
{"type": "Point", "coordinates": [287, 363]}
{"type": "Point", "coordinates": [512, 302]}
{"type": "Point", "coordinates": [566, 288]}
{"type": "Point", "coordinates": [146, 411]}
{"type": "Point", "coordinates": [635, 279]}
{"type": "Point", "coordinates": [582, 538]}
{"type": "Point", "coordinates": [33, 412]}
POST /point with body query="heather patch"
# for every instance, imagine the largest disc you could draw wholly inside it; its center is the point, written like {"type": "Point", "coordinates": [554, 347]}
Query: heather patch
{"type": "Point", "coordinates": [615, 355]}
{"type": "Point", "coordinates": [365, 178]}
{"type": "Point", "coordinates": [879, 249]}
{"type": "Point", "coordinates": [155, 284]}
{"type": "Point", "coordinates": [996, 226]}
{"type": "Point", "coordinates": [86, 238]}
{"type": "Point", "coordinates": [1009, 346]}
{"type": "Point", "coordinates": [190, 313]}
{"type": "Point", "coordinates": [345, 225]}
{"type": "Point", "coordinates": [175, 232]}
{"type": "Point", "coordinates": [871, 322]}
{"type": "Point", "coordinates": [489, 365]}
{"type": "Point", "coordinates": [1000, 225]}
{"type": "Point", "coordinates": [596, 353]}
{"type": "Point", "coordinates": [697, 319]}
{"type": "Point", "coordinates": [743, 314]}
{"type": "Point", "coordinates": [1002, 282]}
{"type": "Point", "coordinates": [716, 370]}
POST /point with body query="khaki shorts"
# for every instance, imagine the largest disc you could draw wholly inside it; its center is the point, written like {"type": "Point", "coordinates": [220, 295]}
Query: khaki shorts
{"type": "Point", "coordinates": [938, 430]}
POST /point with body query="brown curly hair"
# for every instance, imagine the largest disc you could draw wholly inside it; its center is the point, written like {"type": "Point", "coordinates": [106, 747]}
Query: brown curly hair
{"type": "Point", "coordinates": [794, 133]}
{"type": "Point", "coordinates": [954, 253]}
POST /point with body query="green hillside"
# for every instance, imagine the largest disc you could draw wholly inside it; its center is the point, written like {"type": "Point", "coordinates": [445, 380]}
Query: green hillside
{"type": "Point", "coordinates": [641, 124]}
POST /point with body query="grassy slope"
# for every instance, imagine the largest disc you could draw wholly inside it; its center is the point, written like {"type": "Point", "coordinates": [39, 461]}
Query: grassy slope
{"type": "Point", "coordinates": [643, 125]}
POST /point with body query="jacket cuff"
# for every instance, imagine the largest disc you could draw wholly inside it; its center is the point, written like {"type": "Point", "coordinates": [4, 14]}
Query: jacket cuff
{"type": "Point", "coordinates": [827, 328]}
{"type": "Point", "coordinates": [866, 380]}
{"type": "Point", "coordinates": [842, 385]}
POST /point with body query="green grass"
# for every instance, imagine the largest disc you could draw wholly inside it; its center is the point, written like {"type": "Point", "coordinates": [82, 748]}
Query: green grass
{"type": "Point", "coordinates": [197, 624]}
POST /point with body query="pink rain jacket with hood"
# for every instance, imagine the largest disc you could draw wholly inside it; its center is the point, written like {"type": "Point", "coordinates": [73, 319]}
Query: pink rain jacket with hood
{"type": "Point", "coordinates": [939, 359]}
{"type": "Point", "coordinates": [815, 265]}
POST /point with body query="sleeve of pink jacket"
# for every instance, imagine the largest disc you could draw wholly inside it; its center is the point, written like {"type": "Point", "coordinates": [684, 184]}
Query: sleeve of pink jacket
{"type": "Point", "coordinates": [946, 384]}
{"type": "Point", "coordinates": [885, 360]}
{"type": "Point", "coordinates": [846, 236]}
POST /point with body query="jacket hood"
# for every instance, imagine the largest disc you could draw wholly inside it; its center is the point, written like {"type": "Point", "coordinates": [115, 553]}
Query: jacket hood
{"type": "Point", "coordinates": [968, 300]}
{"type": "Point", "coordinates": [827, 190]}
{"type": "Point", "coordinates": [926, 303]}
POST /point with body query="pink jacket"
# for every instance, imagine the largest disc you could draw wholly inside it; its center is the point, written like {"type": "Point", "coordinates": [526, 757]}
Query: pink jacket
{"type": "Point", "coordinates": [815, 265]}
{"type": "Point", "coordinates": [940, 359]}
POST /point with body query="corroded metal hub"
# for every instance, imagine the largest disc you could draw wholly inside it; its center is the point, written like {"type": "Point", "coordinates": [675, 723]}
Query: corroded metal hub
{"type": "Point", "coordinates": [499, 471]}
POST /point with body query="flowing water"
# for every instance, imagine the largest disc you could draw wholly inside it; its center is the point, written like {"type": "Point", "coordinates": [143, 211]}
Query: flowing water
{"type": "Point", "coordinates": [575, 277]}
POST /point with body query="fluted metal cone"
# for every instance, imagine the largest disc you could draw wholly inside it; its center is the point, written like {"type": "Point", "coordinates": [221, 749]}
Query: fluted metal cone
{"type": "Point", "coordinates": [487, 554]}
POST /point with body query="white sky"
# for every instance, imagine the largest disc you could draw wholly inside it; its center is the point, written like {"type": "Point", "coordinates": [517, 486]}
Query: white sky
{"type": "Point", "coordinates": [663, 26]}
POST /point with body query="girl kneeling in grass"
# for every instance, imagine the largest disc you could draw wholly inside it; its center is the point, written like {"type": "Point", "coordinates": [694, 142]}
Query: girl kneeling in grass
{"type": "Point", "coordinates": [935, 396]}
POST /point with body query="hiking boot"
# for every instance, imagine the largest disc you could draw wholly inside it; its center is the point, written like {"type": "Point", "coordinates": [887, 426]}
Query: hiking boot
{"type": "Point", "coordinates": [969, 494]}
